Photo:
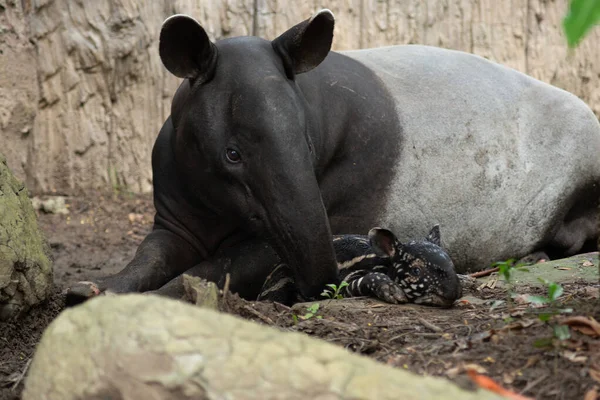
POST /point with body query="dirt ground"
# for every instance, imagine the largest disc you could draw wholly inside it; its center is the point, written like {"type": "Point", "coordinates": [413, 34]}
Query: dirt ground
{"type": "Point", "coordinates": [507, 342]}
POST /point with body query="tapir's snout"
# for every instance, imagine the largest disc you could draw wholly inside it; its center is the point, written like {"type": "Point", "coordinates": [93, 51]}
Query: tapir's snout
{"type": "Point", "coordinates": [303, 239]}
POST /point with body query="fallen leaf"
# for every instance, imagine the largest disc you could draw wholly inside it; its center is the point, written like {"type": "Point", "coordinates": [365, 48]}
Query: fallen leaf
{"type": "Point", "coordinates": [564, 268]}
{"type": "Point", "coordinates": [518, 325]}
{"type": "Point", "coordinates": [489, 359]}
{"type": "Point", "coordinates": [488, 383]}
{"type": "Point", "coordinates": [481, 336]}
{"type": "Point", "coordinates": [531, 361]}
{"type": "Point", "coordinates": [475, 368]}
{"type": "Point", "coordinates": [522, 299]}
{"type": "Point", "coordinates": [509, 377]}
{"type": "Point", "coordinates": [573, 357]}
{"type": "Point", "coordinates": [587, 263]}
{"type": "Point", "coordinates": [453, 372]}
{"type": "Point", "coordinates": [591, 394]}
{"type": "Point", "coordinates": [595, 374]}
{"type": "Point", "coordinates": [592, 292]}
{"type": "Point", "coordinates": [587, 326]}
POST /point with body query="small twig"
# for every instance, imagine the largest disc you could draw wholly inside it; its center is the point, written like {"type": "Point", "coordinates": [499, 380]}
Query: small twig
{"type": "Point", "coordinates": [430, 326]}
{"type": "Point", "coordinates": [533, 384]}
{"type": "Point", "coordinates": [259, 315]}
{"type": "Point", "coordinates": [226, 288]}
{"type": "Point", "coordinates": [20, 377]}
{"type": "Point", "coordinates": [484, 272]}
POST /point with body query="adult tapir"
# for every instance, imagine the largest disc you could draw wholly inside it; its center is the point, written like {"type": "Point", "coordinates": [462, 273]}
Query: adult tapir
{"type": "Point", "coordinates": [272, 146]}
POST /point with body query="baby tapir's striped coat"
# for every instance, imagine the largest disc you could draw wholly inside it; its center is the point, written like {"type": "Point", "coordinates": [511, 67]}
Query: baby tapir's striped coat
{"type": "Point", "coordinates": [380, 266]}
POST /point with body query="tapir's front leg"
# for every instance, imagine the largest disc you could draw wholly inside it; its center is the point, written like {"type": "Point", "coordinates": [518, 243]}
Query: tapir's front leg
{"type": "Point", "coordinates": [249, 264]}
{"type": "Point", "coordinates": [161, 257]}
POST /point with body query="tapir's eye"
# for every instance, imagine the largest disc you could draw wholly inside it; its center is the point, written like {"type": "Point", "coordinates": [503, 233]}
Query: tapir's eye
{"type": "Point", "coordinates": [416, 271]}
{"type": "Point", "coordinates": [233, 156]}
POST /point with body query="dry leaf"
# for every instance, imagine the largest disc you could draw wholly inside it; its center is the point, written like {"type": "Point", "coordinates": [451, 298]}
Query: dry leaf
{"type": "Point", "coordinates": [531, 361]}
{"type": "Point", "coordinates": [564, 268]}
{"type": "Point", "coordinates": [488, 383]}
{"type": "Point", "coordinates": [509, 377]}
{"type": "Point", "coordinates": [453, 372]}
{"type": "Point", "coordinates": [595, 374]}
{"type": "Point", "coordinates": [475, 367]}
{"type": "Point", "coordinates": [591, 394]}
{"type": "Point", "coordinates": [573, 357]}
{"type": "Point", "coordinates": [592, 292]}
{"type": "Point", "coordinates": [518, 325]}
{"type": "Point", "coordinates": [587, 326]}
{"type": "Point", "coordinates": [587, 263]}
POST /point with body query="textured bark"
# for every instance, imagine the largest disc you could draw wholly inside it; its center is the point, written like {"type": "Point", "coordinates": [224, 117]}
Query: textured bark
{"type": "Point", "coordinates": [83, 93]}
{"type": "Point", "coordinates": [148, 347]}
{"type": "Point", "coordinates": [25, 269]}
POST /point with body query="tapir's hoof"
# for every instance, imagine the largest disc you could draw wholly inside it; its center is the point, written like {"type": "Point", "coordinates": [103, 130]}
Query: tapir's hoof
{"type": "Point", "coordinates": [80, 292]}
{"type": "Point", "coordinates": [391, 293]}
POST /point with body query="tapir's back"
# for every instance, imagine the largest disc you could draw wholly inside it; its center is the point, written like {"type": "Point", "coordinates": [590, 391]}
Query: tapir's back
{"type": "Point", "coordinates": [486, 146]}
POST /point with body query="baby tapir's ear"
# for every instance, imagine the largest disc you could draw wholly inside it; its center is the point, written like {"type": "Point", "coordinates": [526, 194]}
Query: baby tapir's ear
{"type": "Point", "coordinates": [383, 242]}
{"type": "Point", "coordinates": [435, 236]}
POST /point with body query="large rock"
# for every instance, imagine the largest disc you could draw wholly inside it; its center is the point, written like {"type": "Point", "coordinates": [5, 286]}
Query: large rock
{"type": "Point", "coordinates": [148, 347]}
{"type": "Point", "coordinates": [83, 92]}
{"type": "Point", "coordinates": [25, 269]}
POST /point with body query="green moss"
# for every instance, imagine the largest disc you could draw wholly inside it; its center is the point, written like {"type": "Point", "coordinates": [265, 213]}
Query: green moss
{"type": "Point", "coordinates": [25, 268]}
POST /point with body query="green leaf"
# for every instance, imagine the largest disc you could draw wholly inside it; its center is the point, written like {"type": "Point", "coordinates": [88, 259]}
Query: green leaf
{"type": "Point", "coordinates": [543, 342]}
{"type": "Point", "coordinates": [582, 16]}
{"type": "Point", "coordinates": [562, 332]}
{"type": "Point", "coordinates": [554, 291]}
{"type": "Point", "coordinates": [544, 281]}
{"type": "Point", "coordinates": [326, 293]}
{"type": "Point", "coordinates": [538, 299]}
{"type": "Point", "coordinates": [496, 304]}
{"type": "Point", "coordinates": [544, 317]}
{"type": "Point", "coordinates": [332, 285]}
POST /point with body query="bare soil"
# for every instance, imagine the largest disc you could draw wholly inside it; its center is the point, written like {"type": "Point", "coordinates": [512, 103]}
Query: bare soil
{"type": "Point", "coordinates": [507, 342]}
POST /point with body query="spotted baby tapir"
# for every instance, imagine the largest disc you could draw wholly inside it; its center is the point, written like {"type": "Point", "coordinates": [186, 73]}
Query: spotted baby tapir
{"type": "Point", "coordinates": [380, 266]}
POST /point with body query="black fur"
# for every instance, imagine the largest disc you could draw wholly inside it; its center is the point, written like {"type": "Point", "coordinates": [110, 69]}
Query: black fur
{"type": "Point", "coordinates": [380, 266]}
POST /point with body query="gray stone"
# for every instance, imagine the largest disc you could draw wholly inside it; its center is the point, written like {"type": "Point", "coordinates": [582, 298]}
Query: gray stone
{"type": "Point", "coordinates": [50, 205]}
{"type": "Point", "coordinates": [148, 347]}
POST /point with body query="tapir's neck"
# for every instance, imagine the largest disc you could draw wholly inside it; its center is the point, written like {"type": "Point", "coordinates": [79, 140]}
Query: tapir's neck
{"type": "Point", "coordinates": [357, 139]}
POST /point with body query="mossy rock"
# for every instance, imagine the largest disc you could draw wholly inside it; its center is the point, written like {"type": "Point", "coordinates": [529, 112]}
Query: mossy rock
{"type": "Point", "coordinates": [25, 267]}
{"type": "Point", "coordinates": [148, 347]}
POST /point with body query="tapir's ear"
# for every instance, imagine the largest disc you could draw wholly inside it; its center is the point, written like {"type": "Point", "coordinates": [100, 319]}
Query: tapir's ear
{"type": "Point", "coordinates": [306, 45]}
{"type": "Point", "coordinates": [435, 236]}
{"type": "Point", "coordinates": [383, 242]}
{"type": "Point", "coordinates": [185, 49]}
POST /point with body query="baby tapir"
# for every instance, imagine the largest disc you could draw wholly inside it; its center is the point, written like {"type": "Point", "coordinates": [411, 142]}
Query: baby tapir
{"type": "Point", "coordinates": [380, 266]}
